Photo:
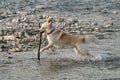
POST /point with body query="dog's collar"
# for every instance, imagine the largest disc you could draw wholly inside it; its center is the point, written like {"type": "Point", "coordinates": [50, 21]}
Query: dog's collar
{"type": "Point", "coordinates": [51, 32]}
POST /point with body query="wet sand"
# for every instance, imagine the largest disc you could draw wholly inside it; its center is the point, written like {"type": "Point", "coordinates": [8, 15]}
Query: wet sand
{"type": "Point", "coordinates": [64, 64]}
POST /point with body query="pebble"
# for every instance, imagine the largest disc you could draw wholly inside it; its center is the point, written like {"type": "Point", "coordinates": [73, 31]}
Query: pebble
{"type": "Point", "coordinates": [97, 29]}
{"type": "Point", "coordinates": [15, 20]}
{"type": "Point", "coordinates": [10, 57]}
{"type": "Point", "coordinates": [9, 37]}
{"type": "Point", "coordinates": [73, 20]}
{"type": "Point", "coordinates": [1, 37]}
{"type": "Point", "coordinates": [104, 11]}
{"type": "Point", "coordinates": [115, 12]}
{"type": "Point", "coordinates": [1, 12]}
{"type": "Point", "coordinates": [107, 24]}
{"type": "Point", "coordinates": [0, 50]}
{"type": "Point", "coordinates": [22, 13]}
{"type": "Point", "coordinates": [94, 24]}
{"type": "Point", "coordinates": [38, 7]}
{"type": "Point", "coordinates": [12, 50]}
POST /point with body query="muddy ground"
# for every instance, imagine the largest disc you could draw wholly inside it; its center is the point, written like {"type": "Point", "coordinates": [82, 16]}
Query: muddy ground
{"type": "Point", "coordinates": [64, 64]}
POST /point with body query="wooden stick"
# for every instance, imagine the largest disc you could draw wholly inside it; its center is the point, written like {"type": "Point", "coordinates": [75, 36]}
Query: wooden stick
{"type": "Point", "coordinates": [39, 46]}
{"type": "Point", "coordinates": [40, 34]}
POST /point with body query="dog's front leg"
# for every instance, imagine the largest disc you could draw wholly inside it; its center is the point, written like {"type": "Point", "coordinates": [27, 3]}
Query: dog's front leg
{"type": "Point", "coordinates": [45, 48]}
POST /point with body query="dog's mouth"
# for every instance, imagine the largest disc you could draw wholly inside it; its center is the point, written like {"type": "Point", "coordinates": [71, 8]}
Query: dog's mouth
{"type": "Point", "coordinates": [42, 31]}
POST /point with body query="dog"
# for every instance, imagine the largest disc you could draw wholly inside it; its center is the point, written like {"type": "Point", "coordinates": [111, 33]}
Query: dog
{"type": "Point", "coordinates": [58, 38]}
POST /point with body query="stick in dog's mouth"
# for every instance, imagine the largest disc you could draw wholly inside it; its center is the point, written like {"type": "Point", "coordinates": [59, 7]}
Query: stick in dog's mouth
{"type": "Point", "coordinates": [39, 47]}
{"type": "Point", "coordinates": [40, 34]}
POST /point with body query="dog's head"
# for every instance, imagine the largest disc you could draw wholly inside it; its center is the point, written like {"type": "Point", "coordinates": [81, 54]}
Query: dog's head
{"type": "Point", "coordinates": [46, 26]}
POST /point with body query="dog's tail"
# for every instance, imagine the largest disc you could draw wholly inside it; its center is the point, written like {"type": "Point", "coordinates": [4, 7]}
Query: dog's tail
{"type": "Point", "coordinates": [90, 39]}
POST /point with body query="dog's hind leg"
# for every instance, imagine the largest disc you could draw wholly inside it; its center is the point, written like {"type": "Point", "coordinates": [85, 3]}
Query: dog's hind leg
{"type": "Point", "coordinates": [77, 51]}
{"type": "Point", "coordinates": [80, 52]}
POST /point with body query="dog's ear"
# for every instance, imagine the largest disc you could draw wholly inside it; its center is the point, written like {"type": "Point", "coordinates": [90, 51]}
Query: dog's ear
{"type": "Point", "coordinates": [49, 20]}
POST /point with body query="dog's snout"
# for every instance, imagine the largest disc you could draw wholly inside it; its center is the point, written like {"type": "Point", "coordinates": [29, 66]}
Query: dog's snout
{"type": "Point", "coordinates": [41, 31]}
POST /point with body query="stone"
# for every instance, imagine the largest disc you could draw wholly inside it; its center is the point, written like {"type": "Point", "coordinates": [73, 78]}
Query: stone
{"type": "Point", "coordinates": [94, 23]}
{"type": "Point", "coordinates": [80, 21]}
{"type": "Point", "coordinates": [39, 7]}
{"type": "Point", "coordinates": [1, 12]}
{"type": "Point", "coordinates": [96, 29]}
{"type": "Point", "coordinates": [107, 24]}
{"type": "Point", "coordinates": [73, 20]}
{"type": "Point", "coordinates": [9, 37]}
{"type": "Point", "coordinates": [15, 20]}
{"type": "Point", "coordinates": [23, 13]}
{"type": "Point", "coordinates": [12, 50]}
{"type": "Point", "coordinates": [115, 12]}
{"type": "Point", "coordinates": [104, 11]}
{"type": "Point", "coordinates": [1, 37]}
{"type": "Point", "coordinates": [10, 57]}
{"type": "Point", "coordinates": [3, 47]}
{"type": "Point", "coordinates": [18, 49]}
{"type": "Point", "coordinates": [0, 50]}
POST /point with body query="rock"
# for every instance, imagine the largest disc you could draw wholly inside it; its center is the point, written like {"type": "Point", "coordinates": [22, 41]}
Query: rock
{"type": "Point", "coordinates": [97, 29]}
{"type": "Point", "coordinates": [11, 50]}
{"type": "Point", "coordinates": [9, 37]}
{"type": "Point", "coordinates": [14, 49]}
{"type": "Point", "coordinates": [94, 23]}
{"type": "Point", "coordinates": [25, 49]}
{"type": "Point", "coordinates": [38, 7]}
{"type": "Point", "coordinates": [1, 12]}
{"type": "Point", "coordinates": [3, 47]}
{"type": "Point", "coordinates": [23, 19]}
{"type": "Point", "coordinates": [115, 12]}
{"type": "Point", "coordinates": [15, 20]}
{"type": "Point", "coordinates": [107, 24]}
{"type": "Point", "coordinates": [23, 13]}
{"type": "Point", "coordinates": [104, 11]}
{"type": "Point", "coordinates": [73, 20]}
{"type": "Point", "coordinates": [76, 24]}
{"type": "Point", "coordinates": [10, 57]}
{"type": "Point", "coordinates": [80, 21]}
{"type": "Point", "coordinates": [1, 38]}
{"type": "Point", "coordinates": [0, 50]}
{"type": "Point", "coordinates": [18, 49]}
